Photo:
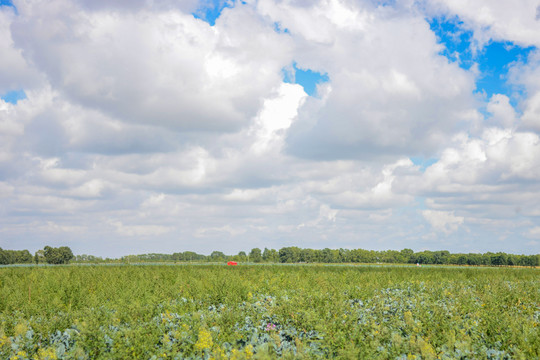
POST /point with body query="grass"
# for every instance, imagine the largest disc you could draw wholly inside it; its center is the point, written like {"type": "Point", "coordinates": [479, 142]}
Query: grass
{"type": "Point", "coordinates": [310, 311]}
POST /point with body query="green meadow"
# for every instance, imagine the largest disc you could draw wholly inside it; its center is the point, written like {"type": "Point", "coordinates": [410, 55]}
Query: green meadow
{"type": "Point", "coordinates": [269, 311]}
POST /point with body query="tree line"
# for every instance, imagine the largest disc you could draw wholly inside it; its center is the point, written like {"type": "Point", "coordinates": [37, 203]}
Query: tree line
{"type": "Point", "coordinates": [298, 255]}
{"type": "Point", "coordinates": [288, 255]}
{"type": "Point", "coordinates": [49, 255]}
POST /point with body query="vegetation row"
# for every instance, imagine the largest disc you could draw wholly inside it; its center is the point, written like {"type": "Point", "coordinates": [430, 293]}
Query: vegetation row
{"type": "Point", "coordinates": [63, 255]}
{"type": "Point", "coordinates": [269, 312]}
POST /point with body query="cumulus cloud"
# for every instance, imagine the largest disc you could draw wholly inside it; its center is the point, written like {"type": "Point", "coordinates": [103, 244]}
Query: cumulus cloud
{"type": "Point", "coordinates": [502, 112]}
{"type": "Point", "coordinates": [443, 221]}
{"type": "Point", "coordinates": [152, 66]}
{"type": "Point", "coordinates": [528, 75]}
{"type": "Point", "coordinates": [498, 20]}
{"type": "Point", "coordinates": [150, 128]}
{"type": "Point", "coordinates": [389, 93]}
{"type": "Point", "coordinates": [534, 233]}
{"type": "Point", "coordinates": [15, 72]}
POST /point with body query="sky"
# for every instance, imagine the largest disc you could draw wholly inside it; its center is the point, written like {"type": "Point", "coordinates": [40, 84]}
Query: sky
{"type": "Point", "coordinates": [161, 126]}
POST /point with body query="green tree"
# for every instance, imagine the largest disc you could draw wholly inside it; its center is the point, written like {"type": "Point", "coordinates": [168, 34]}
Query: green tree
{"type": "Point", "coordinates": [66, 254]}
{"type": "Point", "coordinates": [22, 257]}
{"type": "Point", "coordinates": [308, 255]}
{"type": "Point", "coordinates": [255, 255]}
{"type": "Point", "coordinates": [242, 256]}
{"type": "Point", "coordinates": [217, 256]}
{"type": "Point", "coordinates": [499, 259]}
{"type": "Point", "coordinates": [329, 255]}
{"type": "Point", "coordinates": [406, 255]}
{"type": "Point", "coordinates": [286, 255]}
{"type": "Point", "coordinates": [4, 257]}
{"type": "Point", "coordinates": [39, 257]}
{"type": "Point", "coordinates": [270, 255]}
{"type": "Point", "coordinates": [289, 254]}
{"type": "Point", "coordinates": [61, 255]}
{"type": "Point", "coordinates": [266, 255]}
{"type": "Point", "coordinates": [191, 255]}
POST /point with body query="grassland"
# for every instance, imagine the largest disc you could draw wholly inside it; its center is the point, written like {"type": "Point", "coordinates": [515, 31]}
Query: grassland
{"type": "Point", "coordinates": [263, 312]}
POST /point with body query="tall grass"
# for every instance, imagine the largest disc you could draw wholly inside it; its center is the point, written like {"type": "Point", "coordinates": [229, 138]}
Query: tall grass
{"type": "Point", "coordinates": [225, 312]}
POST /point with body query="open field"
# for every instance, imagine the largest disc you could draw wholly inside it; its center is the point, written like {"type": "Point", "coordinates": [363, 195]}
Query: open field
{"type": "Point", "coordinates": [187, 311]}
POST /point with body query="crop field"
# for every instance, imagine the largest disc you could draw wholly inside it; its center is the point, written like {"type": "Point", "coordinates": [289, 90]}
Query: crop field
{"type": "Point", "coordinates": [266, 312]}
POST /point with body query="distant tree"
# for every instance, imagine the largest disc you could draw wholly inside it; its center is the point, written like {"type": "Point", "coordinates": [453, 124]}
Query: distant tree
{"type": "Point", "coordinates": [270, 255]}
{"type": "Point", "coordinates": [266, 255]}
{"type": "Point", "coordinates": [255, 255]}
{"type": "Point", "coordinates": [441, 257]}
{"type": "Point", "coordinates": [406, 255]}
{"type": "Point", "coordinates": [474, 259]}
{"type": "Point", "coordinates": [308, 255]}
{"type": "Point", "coordinates": [66, 254]}
{"type": "Point", "coordinates": [462, 259]}
{"type": "Point", "coordinates": [52, 255]}
{"type": "Point", "coordinates": [286, 255]}
{"type": "Point", "coordinates": [39, 257]}
{"type": "Point", "coordinates": [328, 256]}
{"type": "Point", "coordinates": [15, 257]}
{"type": "Point", "coordinates": [190, 256]}
{"type": "Point", "coordinates": [217, 256]}
{"type": "Point", "coordinates": [289, 254]}
{"type": "Point", "coordinates": [84, 258]}
{"type": "Point", "coordinates": [499, 259]}
{"type": "Point", "coordinates": [391, 256]}
{"type": "Point", "coordinates": [344, 256]}
{"type": "Point", "coordinates": [22, 257]}
{"type": "Point", "coordinates": [4, 257]}
{"type": "Point", "coordinates": [486, 258]}
{"type": "Point", "coordinates": [242, 256]}
{"type": "Point", "coordinates": [61, 255]}
{"type": "Point", "coordinates": [534, 260]}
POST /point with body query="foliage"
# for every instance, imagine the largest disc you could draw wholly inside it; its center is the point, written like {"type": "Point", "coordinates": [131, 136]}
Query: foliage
{"type": "Point", "coordinates": [8, 257]}
{"type": "Point", "coordinates": [290, 255]}
{"type": "Point", "coordinates": [255, 255]}
{"type": "Point", "coordinates": [269, 311]}
{"type": "Point", "coordinates": [60, 255]}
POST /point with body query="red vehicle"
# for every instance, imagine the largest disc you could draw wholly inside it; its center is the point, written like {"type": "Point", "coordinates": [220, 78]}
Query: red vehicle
{"type": "Point", "coordinates": [232, 263]}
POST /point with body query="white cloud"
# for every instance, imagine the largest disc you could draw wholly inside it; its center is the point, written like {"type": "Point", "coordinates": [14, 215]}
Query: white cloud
{"type": "Point", "coordinates": [534, 233]}
{"type": "Point", "coordinates": [497, 19]}
{"type": "Point", "coordinates": [276, 116]}
{"type": "Point", "coordinates": [156, 67]}
{"type": "Point", "coordinates": [502, 112]}
{"type": "Point", "coordinates": [90, 189]}
{"type": "Point", "coordinates": [390, 92]}
{"type": "Point", "coordinates": [139, 230]}
{"type": "Point", "coordinates": [153, 128]}
{"type": "Point", "coordinates": [443, 221]}
{"type": "Point", "coordinates": [528, 76]}
{"type": "Point", "coordinates": [227, 229]}
{"type": "Point", "coordinates": [15, 73]}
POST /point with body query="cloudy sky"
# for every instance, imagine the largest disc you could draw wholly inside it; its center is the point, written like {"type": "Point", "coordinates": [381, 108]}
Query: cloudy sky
{"type": "Point", "coordinates": [136, 126]}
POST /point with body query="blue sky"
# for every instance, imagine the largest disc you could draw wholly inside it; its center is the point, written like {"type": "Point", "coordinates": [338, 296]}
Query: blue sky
{"type": "Point", "coordinates": [13, 96]}
{"type": "Point", "coordinates": [493, 59]}
{"type": "Point", "coordinates": [206, 132]}
{"type": "Point", "coordinates": [8, 3]}
{"type": "Point", "coordinates": [306, 78]}
{"type": "Point", "coordinates": [210, 10]}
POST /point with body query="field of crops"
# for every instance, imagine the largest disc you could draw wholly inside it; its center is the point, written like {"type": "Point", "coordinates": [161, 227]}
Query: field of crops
{"type": "Point", "coordinates": [265, 312]}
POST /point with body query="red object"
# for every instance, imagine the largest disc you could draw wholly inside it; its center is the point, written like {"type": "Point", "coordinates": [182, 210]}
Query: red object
{"type": "Point", "coordinates": [232, 263]}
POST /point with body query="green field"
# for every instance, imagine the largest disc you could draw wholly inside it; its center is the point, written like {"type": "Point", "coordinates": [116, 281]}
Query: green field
{"type": "Point", "coordinates": [264, 312]}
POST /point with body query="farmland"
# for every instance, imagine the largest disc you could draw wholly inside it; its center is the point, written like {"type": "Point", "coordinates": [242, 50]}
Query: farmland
{"type": "Point", "coordinates": [269, 311]}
